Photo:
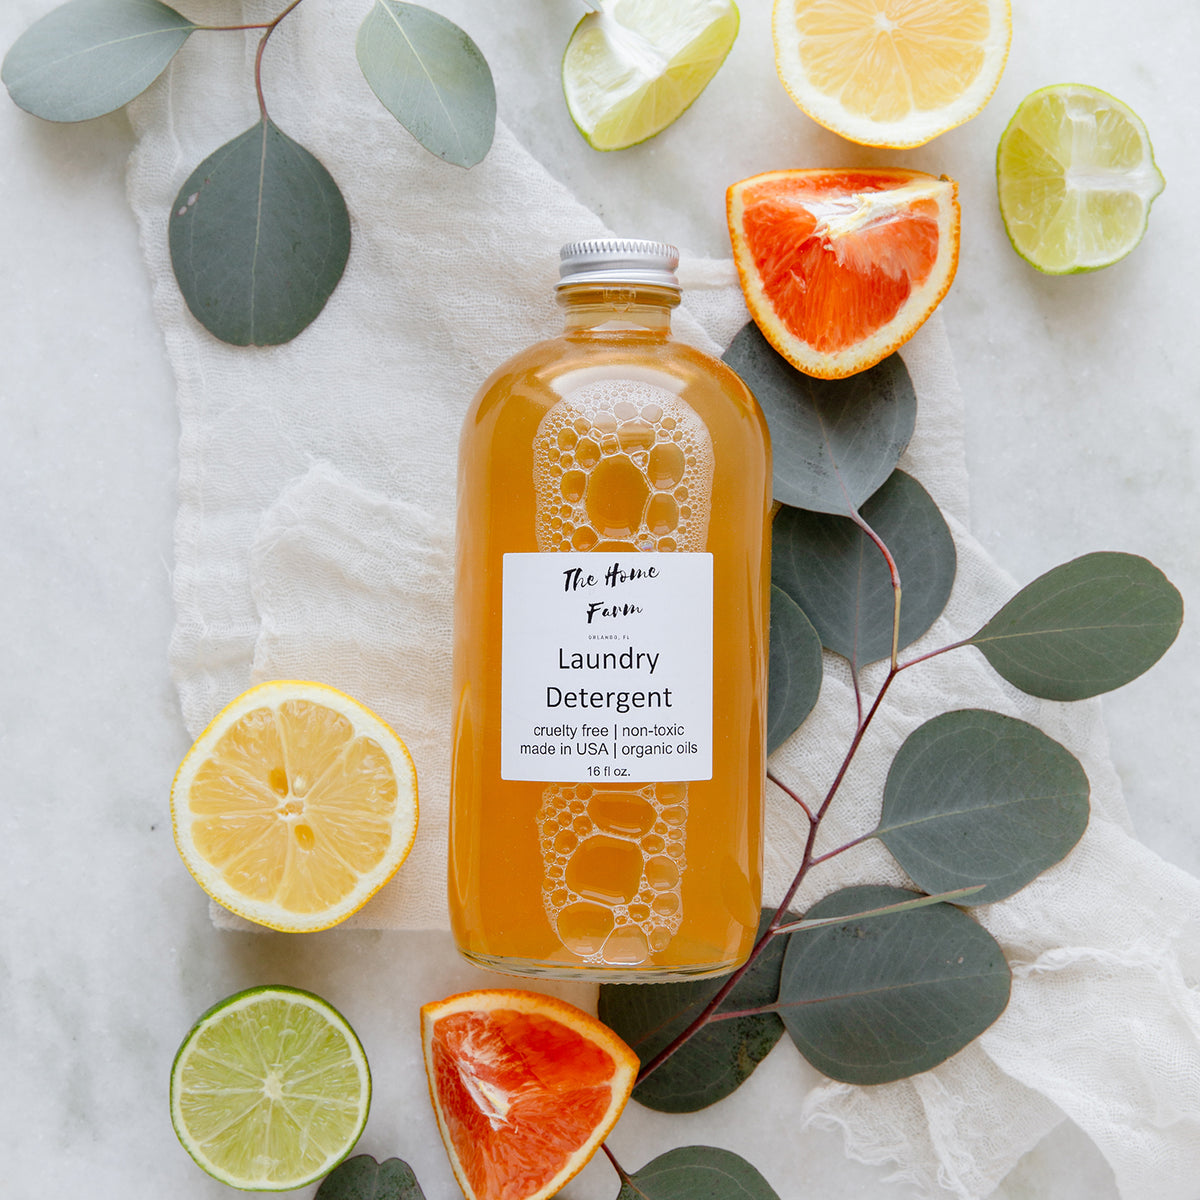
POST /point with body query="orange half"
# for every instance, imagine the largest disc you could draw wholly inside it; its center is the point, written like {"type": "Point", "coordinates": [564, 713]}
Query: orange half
{"type": "Point", "coordinates": [525, 1088]}
{"type": "Point", "coordinates": [839, 268]}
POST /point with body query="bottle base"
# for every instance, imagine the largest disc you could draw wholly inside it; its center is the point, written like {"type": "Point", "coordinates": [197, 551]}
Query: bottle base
{"type": "Point", "coordinates": [586, 973]}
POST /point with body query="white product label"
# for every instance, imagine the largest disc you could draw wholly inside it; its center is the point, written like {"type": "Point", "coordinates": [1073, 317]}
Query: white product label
{"type": "Point", "coordinates": [607, 667]}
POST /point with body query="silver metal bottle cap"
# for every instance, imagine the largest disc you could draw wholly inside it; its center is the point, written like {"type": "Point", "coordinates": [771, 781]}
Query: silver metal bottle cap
{"type": "Point", "coordinates": [617, 261]}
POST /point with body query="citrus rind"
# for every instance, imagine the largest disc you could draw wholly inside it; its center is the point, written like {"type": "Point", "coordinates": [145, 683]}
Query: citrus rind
{"type": "Point", "coordinates": [886, 86]}
{"type": "Point", "coordinates": [367, 728]}
{"type": "Point", "coordinates": [624, 1072]}
{"type": "Point", "coordinates": [904, 189]}
{"type": "Point", "coordinates": [192, 1082]}
{"type": "Point", "coordinates": [1075, 178]}
{"type": "Point", "coordinates": [632, 69]}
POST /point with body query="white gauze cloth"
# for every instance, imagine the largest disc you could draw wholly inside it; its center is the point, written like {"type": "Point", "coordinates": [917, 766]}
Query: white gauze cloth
{"type": "Point", "coordinates": [314, 540]}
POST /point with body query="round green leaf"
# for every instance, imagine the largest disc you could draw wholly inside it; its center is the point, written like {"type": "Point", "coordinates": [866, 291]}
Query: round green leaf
{"type": "Point", "coordinates": [697, 1173]}
{"type": "Point", "coordinates": [722, 1055]}
{"type": "Point", "coordinates": [794, 679]}
{"type": "Point", "coordinates": [839, 577]}
{"type": "Point", "coordinates": [90, 57]}
{"type": "Point", "coordinates": [259, 238]}
{"type": "Point", "coordinates": [363, 1178]}
{"type": "Point", "coordinates": [431, 77]}
{"type": "Point", "coordinates": [883, 998]}
{"type": "Point", "coordinates": [833, 441]}
{"type": "Point", "coordinates": [974, 797]}
{"type": "Point", "coordinates": [1084, 628]}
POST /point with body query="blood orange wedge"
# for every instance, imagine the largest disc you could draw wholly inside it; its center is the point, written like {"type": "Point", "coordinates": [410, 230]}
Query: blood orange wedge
{"type": "Point", "coordinates": [525, 1088]}
{"type": "Point", "coordinates": [839, 268]}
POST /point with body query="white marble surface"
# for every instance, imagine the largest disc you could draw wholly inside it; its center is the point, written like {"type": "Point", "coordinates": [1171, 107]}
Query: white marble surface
{"type": "Point", "coordinates": [1083, 426]}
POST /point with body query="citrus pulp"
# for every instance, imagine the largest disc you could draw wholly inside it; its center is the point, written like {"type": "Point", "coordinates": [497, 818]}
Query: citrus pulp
{"type": "Point", "coordinates": [270, 1089]}
{"type": "Point", "coordinates": [891, 72]}
{"type": "Point", "coordinates": [295, 805]}
{"type": "Point", "coordinates": [633, 66]}
{"type": "Point", "coordinates": [840, 267]}
{"type": "Point", "coordinates": [1076, 177]}
{"type": "Point", "coordinates": [525, 1088]}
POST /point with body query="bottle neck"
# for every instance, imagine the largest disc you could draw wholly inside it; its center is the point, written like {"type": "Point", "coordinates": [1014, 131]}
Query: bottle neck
{"type": "Point", "coordinates": [591, 308]}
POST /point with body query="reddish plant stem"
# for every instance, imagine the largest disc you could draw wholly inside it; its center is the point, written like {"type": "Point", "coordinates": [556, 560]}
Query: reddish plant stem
{"type": "Point", "coordinates": [706, 1013]}
{"type": "Point", "coordinates": [814, 822]}
{"type": "Point", "coordinates": [777, 919]}
{"type": "Point", "coordinates": [783, 787]}
{"type": "Point", "coordinates": [622, 1174]}
{"type": "Point", "coordinates": [858, 841]}
{"type": "Point", "coordinates": [893, 571]}
{"type": "Point", "coordinates": [268, 28]}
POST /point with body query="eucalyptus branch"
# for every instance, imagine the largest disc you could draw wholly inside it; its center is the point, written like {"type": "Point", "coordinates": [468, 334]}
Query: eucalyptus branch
{"type": "Point", "coordinates": [893, 571]}
{"type": "Point", "coordinates": [622, 1174]}
{"type": "Point", "coordinates": [783, 787]}
{"type": "Point", "coordinates": [732, 981]}
{"type": "Point", "coordinates": [820, 858]}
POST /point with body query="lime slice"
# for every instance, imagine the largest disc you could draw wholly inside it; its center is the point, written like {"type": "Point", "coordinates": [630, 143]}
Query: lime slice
{"type": "Point", "coordinates": [633, 66]}
{"type": "Point", "coordinates": [1076, 177]}
{"type": "Point", "coordinates": [270, 1089]}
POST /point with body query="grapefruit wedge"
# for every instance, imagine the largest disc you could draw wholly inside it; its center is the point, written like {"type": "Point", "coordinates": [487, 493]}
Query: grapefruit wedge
{"type": "Point", "coordinates": [841, 267]}
{"type": "Point", "coordinates": [525, 1088]}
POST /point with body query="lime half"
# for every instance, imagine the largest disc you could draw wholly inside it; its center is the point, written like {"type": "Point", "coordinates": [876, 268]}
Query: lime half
{"type": "Point", "coordinates": [633, 66]}
{"type": "Point", "coordinates": [270, 1089]}
{"type": "Point", "coordinates": [1076, 177]}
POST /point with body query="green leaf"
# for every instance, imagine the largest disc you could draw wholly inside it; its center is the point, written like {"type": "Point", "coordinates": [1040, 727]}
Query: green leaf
{"type": "Point", "coordinates": [1084, 628]}
{"type": "Point", "coordinates": [89, 57]}
{"type": "Point", "coordinates": [697, 1173]}
{"type": "Point", "coordinates": [362, 1178]}
{"type": "Point", "coordinates": [976, 797]}
{"type": "Point", "coordinates": [952, 897]}
{"type": "Point", "coordinates": [431, 77]}
{"type": "Point", "coordinates": [872, 1001]}
{"type": "Point", "coordinates": [833, 441]}
{"type": "Point", "coordinates": [719, 1058]}
{"type": "Point", "coordinates": [259, 238]}
{"type": "Point", "coordinates": [794, 679]}
{"type": "Point", "coordinates": [840, 578]}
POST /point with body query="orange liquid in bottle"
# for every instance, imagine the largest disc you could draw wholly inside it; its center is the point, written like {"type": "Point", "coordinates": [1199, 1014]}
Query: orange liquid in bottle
{"type": "Point", "coordinates": [612, 440]}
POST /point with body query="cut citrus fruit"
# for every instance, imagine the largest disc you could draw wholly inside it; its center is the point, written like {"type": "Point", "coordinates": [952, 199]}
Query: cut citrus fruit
{"type": "Point", "coordinates": [839, 268]}
{"type": "Point", "coordinates": [525, 1088]}
{"type": "Point", "coordinates": [295, 805]}
{"type": "Point", "coordinates": [1076, 175]}
{"type": "Point", "coordinates": [891, 72]}
{"type": "Point", "coordinates": [270, 1089]}
{"type": "Point", "coordinates": [633, 66]}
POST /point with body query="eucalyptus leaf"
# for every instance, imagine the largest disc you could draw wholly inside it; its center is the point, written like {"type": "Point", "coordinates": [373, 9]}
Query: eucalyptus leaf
{"type": "Point", "coordinates": [1084, 628]}
{"type": "Point", "coordinates": [977, 797]}
{"type": "Point", "coordinates": [697, 1173]}
{"type": "Point", "coordinates": [839, 577]}
{"type": "Point", "coordinates": [952, 897]}
{"type": "Point", "coordinates": [363, 1178]}
{"type": "Point", "coordinates": [431, 77]}
{"type": "Point", "coordinates": [89, 57]}
{"type": "Point", "coordinates": [722, 1055]}
{"type": "Point", "coordinates": [794, 678]}
{"type": "Point", "coordinates": [872, 1001]}
{"type": "Point", "coordinates": [259, 238]}
{"type": "Point", "coordinates": [833, 441]}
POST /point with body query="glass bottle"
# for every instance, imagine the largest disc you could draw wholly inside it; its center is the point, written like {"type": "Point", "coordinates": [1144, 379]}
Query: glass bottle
{"type": "Point", "coordinates": [610, 649]}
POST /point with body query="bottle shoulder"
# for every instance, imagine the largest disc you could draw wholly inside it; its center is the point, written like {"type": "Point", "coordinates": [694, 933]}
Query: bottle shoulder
{"type": "Point", "coordinates": [547, 371]}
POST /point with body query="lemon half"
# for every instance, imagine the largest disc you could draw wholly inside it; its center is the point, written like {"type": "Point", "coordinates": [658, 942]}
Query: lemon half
{"type": "Point", "coordinates": [295, 805]}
